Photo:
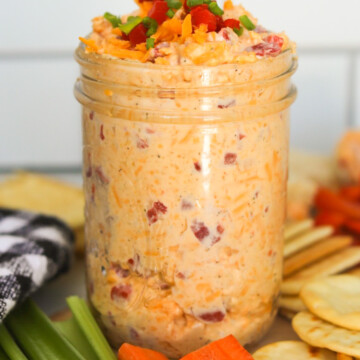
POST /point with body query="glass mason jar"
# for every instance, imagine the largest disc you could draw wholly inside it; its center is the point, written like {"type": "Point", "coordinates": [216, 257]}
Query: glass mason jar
{"type": "Point", "coordinates": [185, 171]}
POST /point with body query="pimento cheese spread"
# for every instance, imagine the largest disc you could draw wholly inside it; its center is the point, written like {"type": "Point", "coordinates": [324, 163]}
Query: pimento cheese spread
{"type": "Point", "coordinates": [185, 168]}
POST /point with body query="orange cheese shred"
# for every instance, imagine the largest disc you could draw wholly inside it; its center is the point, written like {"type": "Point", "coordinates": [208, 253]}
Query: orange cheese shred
{"type": "Point", "coordinates": [228, 5]}
{"type": "Point", "coordinates": [91, 46]}
{"type": "Point", "coordinates": [186, 27]}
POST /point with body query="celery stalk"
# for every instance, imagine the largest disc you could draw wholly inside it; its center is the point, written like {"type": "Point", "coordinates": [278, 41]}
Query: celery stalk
{"type": "Point", "coordinates": [90, 328]}
{"type": "Point", "coordinates": [37, 336]}
{"type": "Point", "coordinates": [3, 356]}
{"type": "Point", "coordinates": [9, 346]}
{"type": "Point", "coordinates": [71, 331]}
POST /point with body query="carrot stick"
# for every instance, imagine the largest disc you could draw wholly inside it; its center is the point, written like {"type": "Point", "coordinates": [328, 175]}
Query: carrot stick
{"type": "Point", "coordinates": [227, 348]}
{"type": "Point", "coordinates": [326, 199]}
{"type": "Point", "coordinates": [131, 352]}
{"type": "Point", "coordinates": [351, 193]}
{"type": "Point", "coordinates": [333, 218]}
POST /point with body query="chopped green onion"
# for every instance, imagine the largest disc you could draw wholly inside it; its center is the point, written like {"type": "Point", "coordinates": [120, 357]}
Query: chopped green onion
{"type": "Point", "coordinates": [207, 2]}
{"type": "Point", "coordinates": [71, 331]}
{"type": "Point", "coordinates": [174, 4]}
{"type": "Point", "coordinates": [150, 43]}
{"type": "Point", "coordinates": [90, 328]}
{"type": "Point", "coordinates": [215, 9]}
{"type": "Point", "coordinates": [113, 19]}
{"type": "Point", "coordinates": [37, 336]}
{"type": "Point", "coordinates": [247, 22]}
{"type": "Point", "coordinates": [239, 32]}
{"type": "Point", "coordinates": [132, 22]}
{"type": "Point", "coordinates": [170, 13]}
{"type": "Point", "coordinates": [192, 3]}
{"type": "Point", "coordinates": [151, 24]}
{"type": "Point", "coordinates": [9, 346]}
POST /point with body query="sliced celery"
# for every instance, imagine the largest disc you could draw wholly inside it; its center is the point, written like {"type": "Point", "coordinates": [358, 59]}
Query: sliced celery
{"type": "Point", "coordinates": [9, 346]}
{"type": "Point", "coordinates": [37, 336]}
{"type": "Point", "coordinates": [71, 330]}
{"type": "Point", "coordinates": [3, 356]}
{"type": "Point", "coordinates": [90, 328]}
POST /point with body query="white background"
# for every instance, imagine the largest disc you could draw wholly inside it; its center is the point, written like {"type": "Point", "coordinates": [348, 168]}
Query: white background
{"type": "Point", "coordinates": [40, 120]}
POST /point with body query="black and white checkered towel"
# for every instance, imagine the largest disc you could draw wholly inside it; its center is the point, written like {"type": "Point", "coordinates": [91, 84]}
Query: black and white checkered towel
{"type": "Point", "coordinates": [33, 249]}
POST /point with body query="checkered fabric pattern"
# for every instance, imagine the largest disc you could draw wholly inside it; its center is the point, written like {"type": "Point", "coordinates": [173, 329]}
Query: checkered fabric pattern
{"type": "Point", "coordinates": [33, 249]}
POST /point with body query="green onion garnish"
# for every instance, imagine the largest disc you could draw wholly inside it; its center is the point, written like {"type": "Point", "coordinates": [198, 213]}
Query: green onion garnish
{"type": "Point", "coordinates": [9, 346]}
{"type": "Point", "coordinates": [207, 2]}
{"type": "Point", "coordinates": [247, 22]}
{"type": "Point", "coordinates": [150, 43]}
{"type": "Point", "coordinates": [215, 9]}
{"type": "Point", "coordinates": [170, 13]}
{"type": "Point", "coordinates": [192, 3]}
{"type": "Point", "coordinates": [174, 4]}
{"type": "Point", "coordinates": [113, 19]}
{"type": "Point", "coordinates": [239, 32]}
{"type": "Point", "coordinates": [132, 22]}
{"type": "Point", "coordinates": [37, 336]}
{"type": "Point", "coordinates": [90, 328]}
{"type": "Point", "coordinates": [151, 24]}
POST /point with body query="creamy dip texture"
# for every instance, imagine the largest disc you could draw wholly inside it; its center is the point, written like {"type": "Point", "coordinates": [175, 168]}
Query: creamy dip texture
{"type": "Point", "coordinates": [185, 169]}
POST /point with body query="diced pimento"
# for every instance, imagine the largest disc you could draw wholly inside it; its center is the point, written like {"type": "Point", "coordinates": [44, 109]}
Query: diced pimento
{"type": "Point", "coordinates": [180, 275]}
{"type": "Point", "coordinates": [138, 35]}
{"type": "Point", "coordinates": [131, 352]}
{"type": "Point", "coordinates": [242, 136]}
{"type": "Point", "coordinates": [152, 216]}
{"type": "Point", "coordinates": [220, 229]}
{"type": "Point", "coordinates": [142, 143]}
{"type": "Point", "coordinates": [197, 166]}
{"type": "Point", "coordinates": [202, 15]}
{"type": "Point", "coordinates": [227, 348]}
{"type": "Point", "coordinates": [186, 205]}
{"type": "Point", "coordinates": [102, 136]}
{"type": "Point", "coordinates": [91, 115]}
{"type": "Point", "coordinates": [160, 207]}
{"type": "Point", "coordinates": [119, 270]}
{"type": "Point", "coordinates": [121, 291]}
{"type": "Point", "coordinates": [100, 174]}
{"type": "Point", "coordinates": [212, 317]}
{"type": "Point", "coordinates": [200, 230]}
{"type": "Point", "coordinates": [158, 11]}
{"type": "Point", "coordinates": [271, 46]}
{"type": "Point", "coordinates": [230, 159]}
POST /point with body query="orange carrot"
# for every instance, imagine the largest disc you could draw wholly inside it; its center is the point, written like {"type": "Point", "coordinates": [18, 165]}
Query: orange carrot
{"type": "Point", "coordinates": [351, 193]}
{"type": "Point", "coordinates": [326, 199]}
{"type": "Point", "coordinates": [131, 352]}
{"type": "Point", "coordinates": [333, 218]}
{"type": "Point", "coordinates": [227, 348]}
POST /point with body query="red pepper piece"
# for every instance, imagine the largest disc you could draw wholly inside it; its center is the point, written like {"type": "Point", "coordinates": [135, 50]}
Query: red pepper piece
{"type": "Point", "coordinates": [202, 15]}
{"type": "Point", "coordinates": [158, 11]}
{"type": "Point", "coordinates": [232, 23]}
{"type": "Point", "coordinates": [333, 218]}
{"type": "Point", "coordinates": [219, 23]}
{"type": "Point", "coordinates": [138, 35]}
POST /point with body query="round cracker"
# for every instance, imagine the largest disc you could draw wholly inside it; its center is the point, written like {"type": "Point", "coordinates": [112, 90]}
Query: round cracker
{"type": "Point", "coordinates": [292, 303]}
{"type": "Point", "coordinates": [294, 350]}
{"type": "Point", "coordinates": [335, 299]}
{"type": "Point", "coordinates": [319, 333]}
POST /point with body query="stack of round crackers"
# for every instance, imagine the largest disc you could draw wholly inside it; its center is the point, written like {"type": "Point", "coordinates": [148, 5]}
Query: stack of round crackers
{"type": "Point", "coordinates": [329, 328]}
{"type": "Point", "coordinates": [312, 253]}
